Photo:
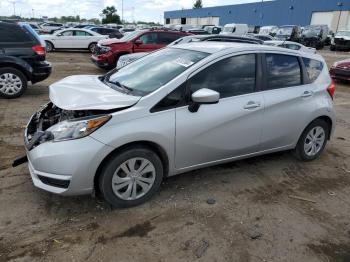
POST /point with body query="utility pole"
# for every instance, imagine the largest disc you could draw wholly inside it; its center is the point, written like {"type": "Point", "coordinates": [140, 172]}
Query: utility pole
{"type": "Point", "coordinates": [14, 7]}
{"type": "Point", "coordinates": [33, 12]}
{"type": "Point", "coordinates": [122, 12]}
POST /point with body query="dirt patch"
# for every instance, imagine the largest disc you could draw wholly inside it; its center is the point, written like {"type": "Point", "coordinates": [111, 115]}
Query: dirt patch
{"type": "Point", "coordinates": [333, 252]}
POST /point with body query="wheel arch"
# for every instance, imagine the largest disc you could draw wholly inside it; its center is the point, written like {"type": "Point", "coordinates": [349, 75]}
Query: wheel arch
{"type": "Point", "coordinates": [156, 148]}
{"type": "Point", "coordinates": [324, 118]}
{"type": "Point", "coordinates": [26, 71]}
{"type": "Point", "coordinates": [53, 46]}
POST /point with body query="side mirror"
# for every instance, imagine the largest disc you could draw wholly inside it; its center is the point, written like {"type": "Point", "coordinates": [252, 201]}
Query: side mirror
{"type": "Point", "coordinates": [333, 34]}
{"type": "Point", "coordinates": [138, 42]}
{"type": "Point", "coordinates": [203, 96]}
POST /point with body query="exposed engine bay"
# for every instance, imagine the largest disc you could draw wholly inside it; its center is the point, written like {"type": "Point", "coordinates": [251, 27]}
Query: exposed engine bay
{"type": "Point", "coordinates": [49, 115]}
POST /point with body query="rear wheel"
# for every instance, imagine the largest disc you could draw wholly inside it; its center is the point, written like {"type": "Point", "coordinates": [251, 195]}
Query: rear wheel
{"type": "Point", "coordinates": [313, 141]}
{"type": "Point", "coordinates": [131, 177]}
{"type": "Point", "coordinates": [49, 47]}
{"type": "Point", "coordinates": [13, 82]}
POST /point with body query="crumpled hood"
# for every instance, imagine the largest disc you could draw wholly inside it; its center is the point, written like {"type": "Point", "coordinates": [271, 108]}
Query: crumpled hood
{"type": "Point", "coordinates": [110, 41]}
{"type": "Point", "coordinates": [87, 92]}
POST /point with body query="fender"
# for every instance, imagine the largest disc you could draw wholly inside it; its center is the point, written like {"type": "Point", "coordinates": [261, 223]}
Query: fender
{"type": "Point", "coordinates": [17, 63]}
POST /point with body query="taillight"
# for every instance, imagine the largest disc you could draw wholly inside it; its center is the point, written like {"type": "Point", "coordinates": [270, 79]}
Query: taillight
{"type": "Point", "coordinates": [331, 89]}
{"type": "Point", "coordinates": [39, 50]}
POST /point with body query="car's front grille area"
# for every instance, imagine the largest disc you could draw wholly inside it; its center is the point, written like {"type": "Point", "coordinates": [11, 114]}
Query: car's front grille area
{"type": "Point", "coordinates": [54, 182]}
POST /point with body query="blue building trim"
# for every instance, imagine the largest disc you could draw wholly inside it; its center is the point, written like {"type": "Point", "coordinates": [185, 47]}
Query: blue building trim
{"type": "Point", "coordinates": [278, 12]}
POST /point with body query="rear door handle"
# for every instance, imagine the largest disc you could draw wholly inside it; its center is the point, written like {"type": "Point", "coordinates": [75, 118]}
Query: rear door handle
{"type": "Point", "coordinates": [252, 105]}
{"type": "Point", "coordinates": [307, 94]}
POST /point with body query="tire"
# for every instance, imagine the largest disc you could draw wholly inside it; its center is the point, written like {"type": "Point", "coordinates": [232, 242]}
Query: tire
{"type": "Point", "coordinates": [333, 48]}
{"type": "Point", "coordinates": [306, 149]}
{"type": "Point", "coordinates": [113, 177]}
{"type": "Point", "coordinates": [92, 47]}
{"type": "Point", "coordinates": [13, 83]}
{"type": "Point", "coordinates": [49, 47]}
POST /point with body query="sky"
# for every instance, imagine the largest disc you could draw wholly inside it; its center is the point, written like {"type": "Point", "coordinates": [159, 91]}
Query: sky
{"type": "Point", "coordinates": [139, 10]}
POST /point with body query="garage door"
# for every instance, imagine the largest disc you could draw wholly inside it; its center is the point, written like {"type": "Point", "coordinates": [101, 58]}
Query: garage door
{"type": "Point", "coordinates": [322, 18]}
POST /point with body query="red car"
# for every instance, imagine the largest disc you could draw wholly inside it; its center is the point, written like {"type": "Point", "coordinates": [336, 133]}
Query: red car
{"type": "Point", "coordinates": [341, 70]}
{"type": "Point", "coordinates": [108, 51]}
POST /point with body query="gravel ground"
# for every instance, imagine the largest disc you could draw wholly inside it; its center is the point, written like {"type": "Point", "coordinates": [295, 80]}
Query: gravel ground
{"type": "Point", "coordinates": [253, 217]}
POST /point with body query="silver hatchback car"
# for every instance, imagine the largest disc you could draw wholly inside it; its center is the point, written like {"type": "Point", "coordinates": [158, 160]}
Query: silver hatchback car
{"type": "Point", "coordinates": [175, 110]}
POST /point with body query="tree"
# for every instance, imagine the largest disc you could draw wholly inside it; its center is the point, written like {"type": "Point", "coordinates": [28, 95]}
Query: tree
{"type": "Point", "coordinates": [198, 4]}
{"type": "Point", "coordinates": [111, 16]}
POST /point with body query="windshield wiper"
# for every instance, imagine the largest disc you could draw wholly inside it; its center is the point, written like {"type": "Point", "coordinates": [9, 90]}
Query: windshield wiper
{"type": "Point", "coordinates": [118, 85]}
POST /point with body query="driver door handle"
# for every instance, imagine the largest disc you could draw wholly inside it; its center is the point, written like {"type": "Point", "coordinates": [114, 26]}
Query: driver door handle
{"type": "Point", "coordinates": [252, 105]}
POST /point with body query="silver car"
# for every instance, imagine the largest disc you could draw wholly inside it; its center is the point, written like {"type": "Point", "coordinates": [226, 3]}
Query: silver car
{"type": "Point", "coordinates": [178, 109]}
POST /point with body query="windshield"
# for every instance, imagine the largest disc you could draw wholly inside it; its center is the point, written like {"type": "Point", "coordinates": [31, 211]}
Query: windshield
{"type": "Point", "coordinates": [343, 33]}
{"type": "Point", "coordinates": [153, 71]}
{"type": "Point", "coordinates": [311, 31]}
{"type": "Point", "coordinates": [285, 31]}
{"type": "Point", "coordinates": [130, 36]}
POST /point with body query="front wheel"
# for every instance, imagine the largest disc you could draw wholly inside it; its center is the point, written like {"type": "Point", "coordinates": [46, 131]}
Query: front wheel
{"type": "Point", "coordinates": [92, 47]}
{"type": "Point", "coordinates": [333, 48]}
{"type": "Point", "coordinates": [312, 141]}
{"type": "Point", "coordinates": [13, 82]}
{"type": "Point", "coordinates": [131, 177]}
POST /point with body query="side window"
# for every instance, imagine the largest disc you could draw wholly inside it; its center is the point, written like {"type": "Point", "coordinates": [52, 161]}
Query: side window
{"type": "Point", "coordinates": [282, 71]}
{"type": "Point", "coordinates": [313, 68]}
{"type": "Point", "coordinates": [149, 38]}
{"type": "Point", "coordinates": [67, 33]}
{"type": "Point", "coordinates": [81, 33]}
{"type": "Point", "coordinates": [174, 99]}
{"type": "Point", "coordinates": [167, 38]}
{"type": "Point", "coordinates": [13, 34]}
{"type": "Point", "coordinates": [230, 77]}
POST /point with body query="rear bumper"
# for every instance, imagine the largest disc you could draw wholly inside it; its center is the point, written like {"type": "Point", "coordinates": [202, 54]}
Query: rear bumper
{"type": "Point", "coordinates": [338, 73]}
{"type": "Point", "coordinates": [41, 71]}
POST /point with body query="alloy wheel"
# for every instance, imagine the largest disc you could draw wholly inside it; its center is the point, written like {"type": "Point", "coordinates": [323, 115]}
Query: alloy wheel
{"type": "Point", "coordinates": [314, 141]}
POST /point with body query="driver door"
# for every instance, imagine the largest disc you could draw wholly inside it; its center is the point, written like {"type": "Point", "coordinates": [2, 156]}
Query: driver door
{"type": "Point", "coordinates": [228, 129]}
{"type": "Point", "coordinates": [64, 39]}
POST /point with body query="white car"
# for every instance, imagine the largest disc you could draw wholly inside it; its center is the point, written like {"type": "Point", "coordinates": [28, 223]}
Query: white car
{"type": "Point", "coordinates": [291, 45]}
{"type": "Point", "coordinates": [50, 27]}
{"type": "Point", "coordinates": [72, 38]}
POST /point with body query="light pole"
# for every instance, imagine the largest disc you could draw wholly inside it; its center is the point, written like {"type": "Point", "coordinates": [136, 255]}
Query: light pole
{"type": "Point", "coordinates": [14, 7]}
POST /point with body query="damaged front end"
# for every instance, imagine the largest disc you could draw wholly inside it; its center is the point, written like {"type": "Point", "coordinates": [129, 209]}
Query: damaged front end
{"type": "Point", "coordinates": [52, 123]}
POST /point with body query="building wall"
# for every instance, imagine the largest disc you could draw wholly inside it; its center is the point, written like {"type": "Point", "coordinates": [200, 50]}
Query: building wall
{"type": "Point", "coordinates": [279, 12]}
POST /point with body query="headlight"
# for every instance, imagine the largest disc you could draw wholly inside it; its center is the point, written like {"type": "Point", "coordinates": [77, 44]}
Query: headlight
{"type": "Point", "coordinates": [336, 64]}
{"type": "Point", "coordinates": [332, 41]}
{"type": "Point", "coordinates": [105, 49]}
{"type": "Point", "coordinates": [68, 130]}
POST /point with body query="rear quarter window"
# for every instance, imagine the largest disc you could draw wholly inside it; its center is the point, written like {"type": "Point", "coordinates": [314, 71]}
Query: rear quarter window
{"type": "Point", "coordinates": [313, 68]}
{"type": "Point", "coordinates": [14, 34]}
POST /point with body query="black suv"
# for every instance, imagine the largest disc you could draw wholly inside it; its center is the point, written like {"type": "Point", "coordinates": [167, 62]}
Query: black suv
{"type": "Point", "coordinates": [22, 59]}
